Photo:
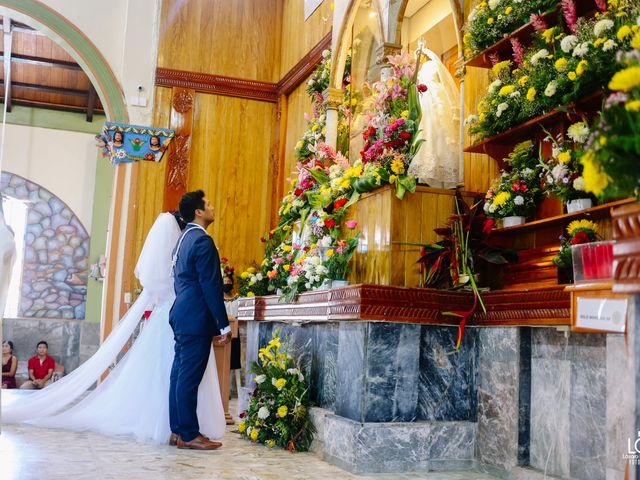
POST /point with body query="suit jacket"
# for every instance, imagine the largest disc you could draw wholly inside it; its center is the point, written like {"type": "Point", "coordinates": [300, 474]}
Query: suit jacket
{"type": "Point", "coordinates": [199, 305]}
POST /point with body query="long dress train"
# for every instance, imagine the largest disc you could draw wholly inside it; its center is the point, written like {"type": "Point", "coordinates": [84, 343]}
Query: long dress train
{"type": "Point", "coordinates": [133, 399]}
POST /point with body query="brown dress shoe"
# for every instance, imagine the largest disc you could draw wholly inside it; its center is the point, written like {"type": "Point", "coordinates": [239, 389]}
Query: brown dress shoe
{"type": "Point", "coordinates": [173, 439]}
{"type": "Point", "coordinates": [198, 443]}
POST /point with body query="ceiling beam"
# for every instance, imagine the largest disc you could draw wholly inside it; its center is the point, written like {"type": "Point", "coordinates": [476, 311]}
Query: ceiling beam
{"type": "Point", "coordinates": [47, 89]}
{"type": "Point", "coordinates": [53, 106]}
{"type": "Point", "coordinates": [45, 62]}
{"type": "Point", "coordinates": [8, 41]}
{"type": "Point", "coordinates": [91, 103]}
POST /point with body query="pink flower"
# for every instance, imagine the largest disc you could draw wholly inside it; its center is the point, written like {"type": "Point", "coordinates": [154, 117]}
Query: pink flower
{"type": "Point", "coordinates": [290, 257]}
{"type": "Point", "coordinates": [278, 261]}
{"type": "Point", "coordinates": [351, 224]}
{"type": "Point", "coordinates": [518, 51]}
{"type": "Point", "coordinates": [570, 14]}
{"type": "Point", "coordinates": [538, 23]}
{"type": "Point", "coordinates": [494, 58]}
{"type": "Point", "coordinates": [602, 5]}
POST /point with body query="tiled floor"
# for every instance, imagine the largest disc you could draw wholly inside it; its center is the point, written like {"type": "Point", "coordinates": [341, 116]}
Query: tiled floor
{"type": "Point", "coordinates": [29, 453]}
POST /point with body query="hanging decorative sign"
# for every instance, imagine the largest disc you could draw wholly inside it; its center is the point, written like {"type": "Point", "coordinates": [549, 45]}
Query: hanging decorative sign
{"type": "Point", "coordinates": [124, 143]}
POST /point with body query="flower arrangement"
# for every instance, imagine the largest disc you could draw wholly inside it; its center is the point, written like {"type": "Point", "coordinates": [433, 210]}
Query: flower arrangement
{"type": "Point", "coordinates": [561, 174]}
{"type": "Point", "coordinates": [561, 66]}
{"type": "Point", "coordinates": [278, 413]}
{"type": "Point", "coordinates": [578, 232]}
{"type": "Point", "coordinates": [491, 20]}
{"type": "Point", "coordinates": [612, 153]}
{"type": "Point", "coordinates": [252, 282]}
{"type": "Point", "coordinates": [390, 139]}
{"type": "Point", "coordinates": [227, 269]}
{"type": "Point", "coordinates": [514, 193]}
{"type": "Point", "coordinates": [338, 258]}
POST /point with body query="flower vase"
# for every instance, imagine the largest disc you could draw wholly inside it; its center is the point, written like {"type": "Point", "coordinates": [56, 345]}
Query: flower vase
{"type": "Point", "coordinates": [326, 284]}
{"type": "Point", "coordinates": [339, 283]}
{"type": "Point", "coordinates": [578, 204]}
{"type": "Point", "coordinates": [512, 221]}
{"type": "Point", "coordinates": [565, 276]}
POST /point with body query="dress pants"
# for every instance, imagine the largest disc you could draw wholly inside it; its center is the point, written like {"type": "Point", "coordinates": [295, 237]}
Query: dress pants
{"type": "Point", "coordinates": [189, 364]}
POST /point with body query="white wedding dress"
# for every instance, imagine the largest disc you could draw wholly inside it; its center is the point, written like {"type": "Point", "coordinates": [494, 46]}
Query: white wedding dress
{"type": "Point", "coordinates": [134, 398]}
{"type": "Point", "coordinates": [438, 162]}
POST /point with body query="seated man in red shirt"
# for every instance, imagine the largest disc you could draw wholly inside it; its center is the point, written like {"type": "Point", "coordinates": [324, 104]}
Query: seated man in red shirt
{"type": "Point", "coordinates": [41, 368]}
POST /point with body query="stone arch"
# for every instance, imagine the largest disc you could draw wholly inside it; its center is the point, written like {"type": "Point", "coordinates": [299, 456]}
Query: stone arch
{"type": "Point", "coordinates": [56, 253]}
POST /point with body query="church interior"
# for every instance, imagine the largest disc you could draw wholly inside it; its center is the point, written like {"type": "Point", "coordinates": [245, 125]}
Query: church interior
{"type": "Point", "coordinates": [426, 213]}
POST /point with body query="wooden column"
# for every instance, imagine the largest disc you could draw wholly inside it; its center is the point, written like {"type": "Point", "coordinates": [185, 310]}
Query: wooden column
{"type": "Point", "coordinates": [177, 176]}
{"type": "Point", "coordinates": [278, 151]}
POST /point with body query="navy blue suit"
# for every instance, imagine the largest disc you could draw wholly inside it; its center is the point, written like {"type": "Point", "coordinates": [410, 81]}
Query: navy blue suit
{"type": "Point", "coordinates": [197, 315]}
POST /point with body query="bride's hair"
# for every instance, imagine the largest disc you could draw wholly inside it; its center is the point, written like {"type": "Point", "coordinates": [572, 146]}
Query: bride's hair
{"type": "Point", "coordinates": [181, 223]}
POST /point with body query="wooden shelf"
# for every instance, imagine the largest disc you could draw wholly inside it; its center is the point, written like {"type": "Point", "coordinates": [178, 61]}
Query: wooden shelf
{"type": "Point", "coordinates": [500, 145]}
{"type": "Point", "coordinates": [502, 48]}
{"type": "Point", "coordinates": [599, 211]}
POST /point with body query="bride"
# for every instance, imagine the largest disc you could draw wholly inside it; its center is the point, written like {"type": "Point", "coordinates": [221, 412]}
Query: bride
{"type": "Point", "coordinates": [133, 400]}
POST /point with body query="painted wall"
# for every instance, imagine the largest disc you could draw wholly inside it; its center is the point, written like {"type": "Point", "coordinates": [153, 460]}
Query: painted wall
{"type": "Point", "coordinates": [434, 21]}
{"type": "Point", "coordinates": [61, 161]}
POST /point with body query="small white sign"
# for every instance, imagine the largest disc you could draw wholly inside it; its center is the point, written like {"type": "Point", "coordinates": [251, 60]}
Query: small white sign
{"type": "Point", "coordinates": [310, 6]}
{"type": "Point", "coordinates": [606, 314]}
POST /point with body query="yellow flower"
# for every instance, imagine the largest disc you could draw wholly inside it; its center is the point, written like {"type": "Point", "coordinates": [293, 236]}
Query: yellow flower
{"type": "Point", "coordinates": [251, 294]}
{"type": "Point", "coordinates": [625, 79]}
{"type": "Point", "coordinates": [345, 184]}
{"type": "Point", "coordinates": [508, 10]}
{"type": "Point", "coordinates": [275, 342]}
{"type": "Point", "coordinates": [624, 32]}
{"type": "Point", "coordinates": [482, 117]}
{"type": "Point", "coordinates": [582, 66]}
{"type": "Point", "coordinates": [498, 67]}
{"type": "Point", "coordinates": [254, 434]}
{"type": "Point", "coordinates": [490, 21]}
{"type": "Point", "coordinates": [531, 94]}
{"type": "Point", "coordinates": [506, 90]}
{"type": "Point", "coordinates": [286, 267]}
{"type": "Point", "coordinates": [299, 145]}
{"type": "Point", "coordinates": [633, 106]}
{"type": "Point", "coordinates": [280, 383]}
{"type": "Point", "coordinates": [270, 443]}
{"type": "Point", "coordinates": [244, 275]}
{"type": "Point", "coordinates": [595, 180]}
{"type": "Point", "coordinates": [397, 167]}
{"type": "Point", "coordinates": [286, 248]}
{"type": "Point", "coordinates": [576, 225]}
{"type": "Point", "coordinates": [392, 178]}
{"type": "Point", "coordinates": [324, 130]}
{"type": "Point", "coordinates": [286, 228]}
{"type": "Point", "coordinates": [561, 64]}
{"type": "Point", "coordinates": [405, 114]}
{"type": "Point", "coordinates": [564, 157]}
{"type": "Point", "coordinates": [501, 199]}
{"type": "Point", "coordinates": [251, 270]}
{"type": "Point", "coordinates": [522, 81]}
{"type": "Point", "coordinates": [466, 38]}
{"type": "Point", "coordinates": [482, 5]}
{"type": "Point", "coordinates": [635, 42]}
{"type": "Point", "coordinates": [572, 76]}
{"type": "Point", "coordinates": [329, 252]}
{"type": "Point", "coordinates": [314, 127]}
{"type": "Point", "coordinates": [548, 34]}
{"type": "Point", "coordinates": [598, 42]}
{"type": "Point", "coordinates": [282, 411]}
{"type": "Point", "coordinates": [242, 426]}
{"type": "Point", "coordinates": [602, 140]}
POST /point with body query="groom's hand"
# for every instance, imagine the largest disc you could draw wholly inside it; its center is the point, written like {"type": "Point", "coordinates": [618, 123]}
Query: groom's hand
{"type": "Point", "coordinates": [222, 339]}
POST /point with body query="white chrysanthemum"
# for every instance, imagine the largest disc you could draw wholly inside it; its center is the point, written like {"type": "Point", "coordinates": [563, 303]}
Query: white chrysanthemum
{"type": "Point", "coordinates": [539, 55]}
{"type": "Point", "coordinates": [263, 413]}
{"type": "Point", "coordinates": [326, 53]}
{"type": "Point", "coordinates": [326, 241]}
{"type": "Point", "coordinates": [559, 171]}
{"type": "Point", "coordinates": [556, 150]}
{"type": "Point", "coordinates": [486, 206]}
{"type": "Point", "coordinates": [492, 208]}
{"type": "Point", "coordinates": [515, 94]}
{"type": "Point", "coordinates": [258, 276]}
{"type": "Point", "coordinates": [578, 184]}
{"type": "Point", "coordinates": [578, 132]}
{"type": "Point", "coordinates": [493, 4]}
{"type": "Point", "coordinates": [527, 172]}
{"type": "Point", "coordinates": [292, 371]}
{"type": "Point", "coordinates": [551, 89]}
{"type": "Point", "coordinates": [519, 200]}
{"type": "Point", "coordinates": [609, 45]}
{"type": "Point", "coordinates": [568, 43]}
{"type": "Point", "coordinates": [581, 49]}
{"type": "Point", "coordinates": [260, 378]}
{"type": "Point", "coordinates": [471, 119]}
{"type": "Point", "coordinates": [602, 26]}
{"type": "Point", "coordinates": [501, 108]}
{"type": "Point", "coordinates": [494, 85]}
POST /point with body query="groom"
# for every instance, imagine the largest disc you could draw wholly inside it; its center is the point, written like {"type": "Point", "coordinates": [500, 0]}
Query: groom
{"type": "Point", "coordinates": [197, 315]}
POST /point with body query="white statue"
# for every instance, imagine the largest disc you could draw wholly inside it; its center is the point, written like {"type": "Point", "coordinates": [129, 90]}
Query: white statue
{"type": "Point", "coordinates": [437, 163]}
{"type": "Point", "coordinates": [7, 257]}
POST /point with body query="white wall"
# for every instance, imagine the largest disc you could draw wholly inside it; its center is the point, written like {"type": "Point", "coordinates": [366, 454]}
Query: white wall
{"type": "Point", "coordinates": [435, 22]}
{"type": "Point", "coordinates": [63, 162]}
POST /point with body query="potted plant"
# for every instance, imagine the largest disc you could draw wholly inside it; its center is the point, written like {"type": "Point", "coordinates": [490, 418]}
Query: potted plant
{"type": "Point", "coordinates": [513, 195]}
{"type": "Point", "coordinates": [339, 257]}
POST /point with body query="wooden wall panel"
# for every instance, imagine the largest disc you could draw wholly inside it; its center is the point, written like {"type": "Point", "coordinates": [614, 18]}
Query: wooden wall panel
{"type": "Point", "coordinates": [232, 38]}
{"type": "Point", "coordinates": [230, 162]}
{"type": "Point", "coordinates": [479, 169]}
{"type": "Point", "coordinates": [298, 104]}
{"type": "Point", "coordinates": [298, 36]}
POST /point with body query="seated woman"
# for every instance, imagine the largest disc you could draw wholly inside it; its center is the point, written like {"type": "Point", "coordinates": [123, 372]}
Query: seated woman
{"type": "Point", "coordinates": [9, 365]}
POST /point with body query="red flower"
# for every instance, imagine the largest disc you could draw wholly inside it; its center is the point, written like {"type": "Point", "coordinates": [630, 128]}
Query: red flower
{"type": "Point", "coordinates": [263, 240]}
{"type": "Point", "coordinates": [580, 238]}
{"type": "Point", "coordinates": [339, 203]}
{"type": "Point", "coordinates": [297, 192]}
{"type": "Point", "coordinates": [405, 135]}
{"type": "Point", "coordinates": [369, 132]}
{"type": "Point", "coordinates": [422, 88]}
{"type": "Point", "coordinates": [330, 223]}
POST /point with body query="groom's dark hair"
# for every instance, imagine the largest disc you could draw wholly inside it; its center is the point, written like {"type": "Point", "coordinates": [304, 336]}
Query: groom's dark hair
{"type": "Point", "coordinates": [189, 203]}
